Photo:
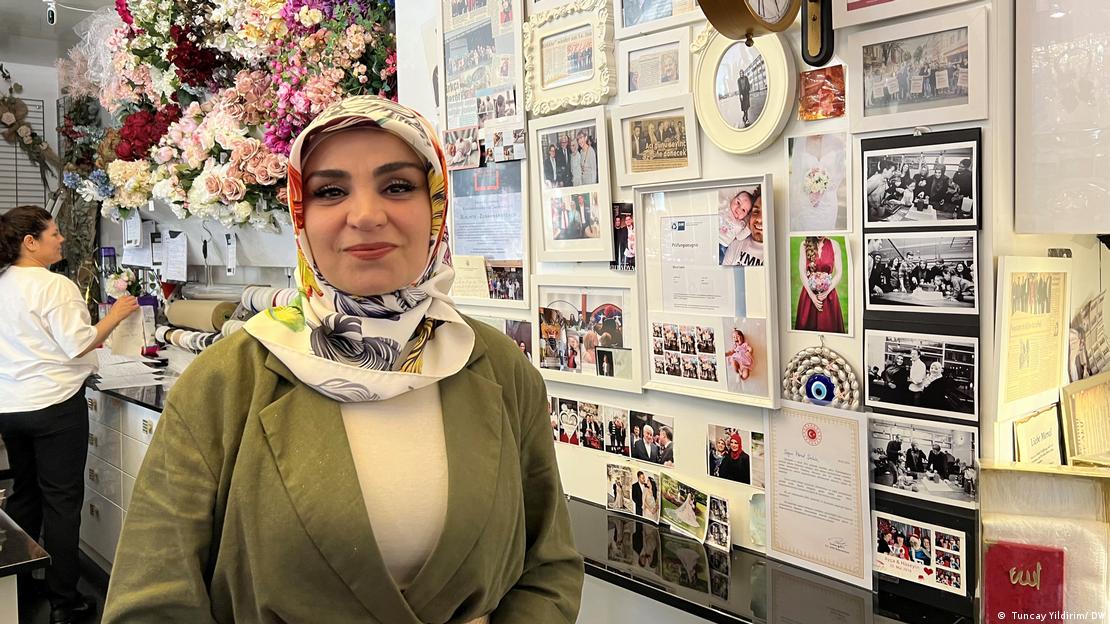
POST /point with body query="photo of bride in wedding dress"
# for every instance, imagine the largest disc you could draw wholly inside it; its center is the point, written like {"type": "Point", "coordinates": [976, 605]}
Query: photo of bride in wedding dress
{"type": "Point", "coordinates": [685, 508]}
{"type": "Point", "coordinates": [818, 189]}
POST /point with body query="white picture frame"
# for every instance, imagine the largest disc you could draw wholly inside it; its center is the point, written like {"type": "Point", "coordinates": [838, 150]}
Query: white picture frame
{"type": "Point", "coordinates": [844, 15]}
{"type": "Point", "coordinates": [590, 248]}
{"type": "Point", "coordinates": [974, 21]}
{"type": "Point", "coordinates": [513, 31]}
{"type": "Point", "coordinates": [681, 105]}
{"type": "Point", "coordinates": [679, 38]}
{"type": "Point", "coordinates": [952, 349]}
{"type": "Point", "coordinates": [600, 287]}
{"type": "Point", "coordinates": [584, 80]}
{"type": "Point", "coordinates": [686, 16]}
{"type": "Point", "coordinates": [745, 296]}
{"type": "Point", "coordinates": [525, 234]}
{"type": "Point", "coordinates": [1031, 320]}
{"type": "Point", "coordinates": [720, 117]}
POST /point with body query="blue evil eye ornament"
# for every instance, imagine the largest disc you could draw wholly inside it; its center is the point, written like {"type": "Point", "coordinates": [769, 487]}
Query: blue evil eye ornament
{"type": "Point", "coordinates": [820, 376]}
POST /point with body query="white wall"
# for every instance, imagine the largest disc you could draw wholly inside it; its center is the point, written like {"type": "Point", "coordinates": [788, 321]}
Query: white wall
{"type": "Point", "coordinates": [40, 83]}
{"type": "Point", "coordinates": [419, 54]}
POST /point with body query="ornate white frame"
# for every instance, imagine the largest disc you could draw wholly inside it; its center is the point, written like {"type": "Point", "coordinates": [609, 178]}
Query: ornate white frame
{"type": "Point", "coordinates": [683, 104]}
{"type": "Point", "coordinates": [782, 81]}
{"type": "Point", "coordinates": [540, 101]}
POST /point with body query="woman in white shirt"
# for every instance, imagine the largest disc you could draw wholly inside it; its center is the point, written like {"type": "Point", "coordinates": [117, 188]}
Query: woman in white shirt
{"type": "Point", "coordinates": [43, 418]}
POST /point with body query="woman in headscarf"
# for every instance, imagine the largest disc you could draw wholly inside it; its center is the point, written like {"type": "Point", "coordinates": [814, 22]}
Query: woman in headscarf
{"type": "Point", "coordinates": [290, 478]}
{"type": "Point", "coordinates": [736, 465]}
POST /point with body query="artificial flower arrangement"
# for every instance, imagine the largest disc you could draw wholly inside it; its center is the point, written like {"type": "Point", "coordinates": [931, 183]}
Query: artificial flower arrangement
{"type": "Point", "coordinates": [210, 94]}
{"type": "Point", "coordinates": [122, 283]}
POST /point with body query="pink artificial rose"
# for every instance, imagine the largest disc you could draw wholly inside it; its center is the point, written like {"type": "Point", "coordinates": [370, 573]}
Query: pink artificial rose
{"type": "Point", "coordinates": [275, 166]}
{"type": "Point", "coordinates": [232, 189]}
{"type": "Point", "coordinates": [212, 185]}
{"type": "Point", "coordinates": [244, 151]}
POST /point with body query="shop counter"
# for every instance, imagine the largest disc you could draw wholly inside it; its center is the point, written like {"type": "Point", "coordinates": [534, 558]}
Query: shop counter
{"type": "Point", "coordinates": [18, 554]}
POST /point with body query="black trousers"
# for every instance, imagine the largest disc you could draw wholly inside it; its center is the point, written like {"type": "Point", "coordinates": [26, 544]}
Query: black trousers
{"type": "Point", "coordinates": [46, 451]}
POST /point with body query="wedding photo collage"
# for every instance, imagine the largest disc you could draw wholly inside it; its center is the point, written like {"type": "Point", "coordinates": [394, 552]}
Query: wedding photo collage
{"type": "Point", "coordinates": [881, 224]}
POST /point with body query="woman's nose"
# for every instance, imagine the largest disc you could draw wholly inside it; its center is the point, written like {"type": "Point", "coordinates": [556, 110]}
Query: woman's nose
{"type": "Point", "coordinates": [367, 212]}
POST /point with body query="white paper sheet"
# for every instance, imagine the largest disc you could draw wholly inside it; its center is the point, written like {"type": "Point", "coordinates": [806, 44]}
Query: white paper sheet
{"type": "Point", "coordinates": [693, 281]}
{"type": "Point", "coordinates": [141, 256]}
{"type": "Point", "coordinates": [175, 248]}
{"type": "Point", "coordinates": [128, 339]}
{"type": "Point", "coordinates": [132, 230]}
{"type": "Point", "coordinates": [470, 277]}
{"type": "Point", "coordinates": [105, 358]}
{"type": "Point", "coordinates": [124, 369]}
{"type": "Point", "coordinates": [133, 381]}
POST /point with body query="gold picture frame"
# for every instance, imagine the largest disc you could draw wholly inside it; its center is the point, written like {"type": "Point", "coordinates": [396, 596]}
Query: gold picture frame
{"type": "Point", "coordinates": [569, 57]}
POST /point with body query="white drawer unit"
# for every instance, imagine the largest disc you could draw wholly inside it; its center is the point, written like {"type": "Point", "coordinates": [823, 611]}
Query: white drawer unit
{"type": "Point", "coordinates": [133, 453]}
{"type": "Point", "coordinates": [92, 398]}
{"type": "Point", "coordinates": [109, 410]}
{"type": "Point", "coordinates": [128, 488]}
{"type": "Point", "coordinates": [104, 479]}
{"type": "Point", "coordinates": [139, 423]}
{"type": "Point", "coordinates": [105, 442]}
{"type": "Point", "coordinates": [101, 523]}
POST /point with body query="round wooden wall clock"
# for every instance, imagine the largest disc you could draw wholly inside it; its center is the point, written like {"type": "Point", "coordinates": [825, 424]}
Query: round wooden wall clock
{"type": "Point", "coordinates": [744, 19]}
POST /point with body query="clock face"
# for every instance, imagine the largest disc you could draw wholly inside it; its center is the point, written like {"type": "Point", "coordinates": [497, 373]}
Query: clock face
{"type": "Point", "coordinates": [771, 11]}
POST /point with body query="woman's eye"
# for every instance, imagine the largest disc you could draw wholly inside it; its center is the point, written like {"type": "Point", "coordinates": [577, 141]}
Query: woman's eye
{"type": "Point", "coordinates": [396, 187]}
{"type": "Point", "coordinates": [328, 192]}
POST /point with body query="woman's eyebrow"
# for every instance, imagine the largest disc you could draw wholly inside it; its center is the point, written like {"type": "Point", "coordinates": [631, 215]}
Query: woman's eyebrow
{"type": "Point", "coordinates": [331, 174]}
{"type": "Point", "coordinates": [397, 166]}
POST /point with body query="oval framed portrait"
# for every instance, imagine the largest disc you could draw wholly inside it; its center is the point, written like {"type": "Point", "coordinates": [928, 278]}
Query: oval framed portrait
{"type": "Point", "coordinates": [744, 94]}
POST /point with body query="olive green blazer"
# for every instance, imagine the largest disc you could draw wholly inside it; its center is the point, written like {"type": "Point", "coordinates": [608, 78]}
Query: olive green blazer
{"type": "Point", "coordinates": [248, 507]}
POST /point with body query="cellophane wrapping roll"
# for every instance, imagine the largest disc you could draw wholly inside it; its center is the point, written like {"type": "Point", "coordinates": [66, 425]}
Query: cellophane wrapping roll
{"type": "Point", "coordinates": [259, 298]}
{"type": "Point", "coordinates": [204, 316]}
{"type": "Point", "coordinates": [1085, 542]}
{"type": "Point", "coordinates": [231, 327]}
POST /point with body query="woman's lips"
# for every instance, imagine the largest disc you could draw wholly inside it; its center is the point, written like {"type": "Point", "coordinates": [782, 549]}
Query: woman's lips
{"type": "Point", "coordinates": [370, 251]}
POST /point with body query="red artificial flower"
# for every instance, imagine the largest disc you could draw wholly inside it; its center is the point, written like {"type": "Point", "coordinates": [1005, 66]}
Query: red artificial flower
{"type": "Point", "coordinates": [124, 12]}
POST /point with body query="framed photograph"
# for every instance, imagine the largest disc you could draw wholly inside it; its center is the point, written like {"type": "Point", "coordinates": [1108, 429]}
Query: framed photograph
{"type": "Point", "coordinates": [922, 73]}
{"type": "Point", "coordinates": [818, 188]}
{"type": "Point", "coordinates": [924, 460]}
{"type": "Point", "coordinates": [568, 57]}
{"type": "Point", "coordinates": [638, 17]}
{"type": "Point", "coordinates": [1034, 310]}
{"type": "Point", "coordinates": [821, 286]}
{"type": "Point", "coordinates": [735, 455]}
{"type": "Point", "coordinates": [570, 169]}
{"type": "Point", "coordinates": [483, 76]}
{"type": "Point", "coordinates": [823, 94]}
{"type": "Point", "coordinates": [930, 272]}
{"type": "Point", "coordinates": [852, 12]}
{"type": "Point", "coordinates": [931, 180]}
{"type": "Point", "coordinates": [744, 95]}
{"type": "Point", "coordinates": [911, 550]}
{"type": "Point", "coordinates": [922, 374]}
{"type": "Point", "coordinates": [579, 316]}
{"type": "Point", "coordinates": [706, 252]}
{"type": "Point", "coordinates": [493, 197]}
{"type": "Point", "coordinates": [654, 65]}
{"type": "Point", "coordinates": [657, 141]}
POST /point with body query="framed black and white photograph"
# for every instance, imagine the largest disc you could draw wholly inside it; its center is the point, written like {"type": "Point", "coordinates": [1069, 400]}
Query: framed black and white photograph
{"type": "Point", "coordinates": [920, 73]}
{"type": "Point", "coordinates": [922, 373]}
{"type": "Point", "coordinates": [924, 460]}
{"type": "Point", "coordinates": [930, 181]}
{"type": "Point", "coordinates": [915, 272]}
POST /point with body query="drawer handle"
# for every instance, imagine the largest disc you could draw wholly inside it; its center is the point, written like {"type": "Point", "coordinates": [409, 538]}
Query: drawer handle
{"type": "Point", "coordinates": [94, 511]}
{"type": "Point", "coordinates": [148, 426]}
{"type": "Point", "coordinates": [95, 478]}
{"type": "Point", "coordinates": [92, 404]}
{"type": "Point", "coordinates": [93, 440]}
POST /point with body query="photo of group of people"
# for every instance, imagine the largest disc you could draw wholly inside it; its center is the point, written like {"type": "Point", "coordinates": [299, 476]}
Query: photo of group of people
{"type": "Point", "coordinates": [921, 185]}
{"type": "Point", "coordinates": [916, 73]}
{"type": "Point", "coordinates": [741, 85]}
{"type": "Point", "coordinates": [624, 238]}
{"type": "Point", "coordinates": [657, 143]}
{"type": "Point", "coordinates": [574, 327]}
{"type": "Point", "coordinates": [1031, 293]}
{"type": "Point", "coordinates": [567, 57]}
{"type": "Point", "coordinates": [740, 211]}
{"type": "Point", "coordinates": [735, 455]}
{"type": "Point", "coordinates": [652, 68]}
{"type": "Point", "coordinates": [575, 216]}
{"type": "Point", "coordinates": [922, 373]}
{"type": "Point", "coordinates": [924, 460]}
{"type": "Point", "coordinates": [505, 282]}
{"type": "Point", "coordinates": [922, 272]}
{"type": "Point", "coordinates": [496, 103]}
{"type": "Point", "coordinates": [688, 351]}
{"type": "Point", "coordinates": [633, 491]}
{"type": "Point", "coordinates": [819, 274]}
{"type": "Point", "coordinates": [569, 157]}
{"type": "Point", "coordinates": [652, 438]}
{"type": "Point", "coordinates": [906, 549]}
{"type": "Point", "coordinates": [685, 508]}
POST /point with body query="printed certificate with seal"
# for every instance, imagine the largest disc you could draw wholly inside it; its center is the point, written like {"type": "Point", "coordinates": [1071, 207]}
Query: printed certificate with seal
{"type": "Point", "coordinates": [818, 491]}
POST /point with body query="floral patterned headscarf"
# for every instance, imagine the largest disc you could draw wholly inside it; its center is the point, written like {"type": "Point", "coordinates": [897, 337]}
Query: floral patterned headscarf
{"type": "Point", "coordinates": [354, 348]}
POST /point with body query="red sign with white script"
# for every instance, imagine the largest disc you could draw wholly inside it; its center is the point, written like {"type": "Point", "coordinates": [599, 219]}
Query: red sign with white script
{"type": "Point", "coordinates": [1023, 579]}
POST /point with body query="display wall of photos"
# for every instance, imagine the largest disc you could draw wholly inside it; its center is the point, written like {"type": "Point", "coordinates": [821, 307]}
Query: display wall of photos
{"type": "Point", "coordinates": [482, 70]}
{"type": "Point", "coordinates": [708, 266]}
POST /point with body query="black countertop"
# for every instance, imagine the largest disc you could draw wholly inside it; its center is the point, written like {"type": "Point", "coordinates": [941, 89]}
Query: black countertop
{"type": "Point", "coordinates": [150, 397]}
{"type": "Point", "coordinates": [18, 552]}
{"type": "Point", "coordinates": [735, 587]}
